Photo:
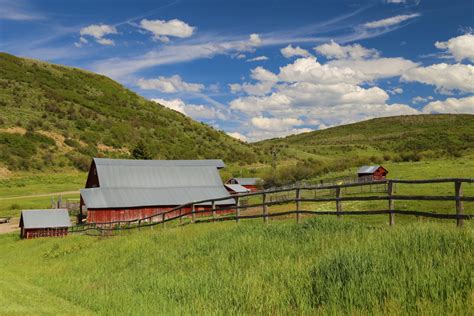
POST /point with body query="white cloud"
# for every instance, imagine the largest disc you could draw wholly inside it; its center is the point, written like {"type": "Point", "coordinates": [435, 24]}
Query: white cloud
{"type": "Point", "coordinates": [162, 29]}
{"type": "Point", "coordinates": [444, 76]}
{"type": "Point", "coordinates": [461, 47]}
{"type": "Point", "coordinates": [171, 54]}
{"type": "Point", "coordinates": [390, 21]}
{"type": "Point", "coordinates": [261, 74]}
{"type": "Point", "coordinates": [333, 50]}
{"type": "Point", "coordinates": [275, 124]}
{"type": "Point", "coordinates": [290, 51]}
{"type": "Point", "coordinates": [451, 105]}
{"type": "Point", "coordinates": [97, 31]}
{"type": "Point", "coordinates": [238, 136]}
{"type": "Point", "coordinates": [394, 91]}
{"type": "Point", "coordinates": [258, 58]}
{"type": "Point", "coordinates": [171, 84]}
{"type": "Point", "coordinates": [195, 111]}
{"type": "Point", "coordinates": [420, 99]}
{"type": "Point", "coordinates": [372, 69]}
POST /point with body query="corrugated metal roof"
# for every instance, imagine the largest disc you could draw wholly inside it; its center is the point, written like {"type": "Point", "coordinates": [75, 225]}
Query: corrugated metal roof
{"type": "Point", "coordinates": [217, 163]}
{"type": "Point", "coordinates": [137, 183]}
{"type": "Point", "coordinates": [368, 169]}
{"type": "Point", "coordinates": [247, 181]}
{"type": "Point", "coordinates": [123, 176]}
{"type": "Point", "coordinates": [45, 218]}
{"type": "Point", "coordinates": [237, 188]}
{"type": "Point", "coordinates": [99, 198]}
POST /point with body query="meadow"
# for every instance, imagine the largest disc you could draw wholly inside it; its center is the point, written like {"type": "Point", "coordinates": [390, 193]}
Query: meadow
{"type": "Point", "coordinates": [323, 266]}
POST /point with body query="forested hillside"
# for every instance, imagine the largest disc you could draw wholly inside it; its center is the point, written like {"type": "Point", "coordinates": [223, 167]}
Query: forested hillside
{"type": "Point", "coordinates": [54, 116]}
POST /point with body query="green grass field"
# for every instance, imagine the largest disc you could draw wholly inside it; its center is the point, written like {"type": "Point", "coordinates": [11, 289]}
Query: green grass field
{"type": "Point", "coordinates": [323, 266]}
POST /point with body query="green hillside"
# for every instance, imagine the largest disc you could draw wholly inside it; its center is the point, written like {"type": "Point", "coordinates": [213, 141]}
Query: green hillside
{"type": "Point", "coordinates": [391, 139]}
{"type": "Point", "coordinates": [323, 267]}
{"type": "Point", "coordinates": [54, 116]}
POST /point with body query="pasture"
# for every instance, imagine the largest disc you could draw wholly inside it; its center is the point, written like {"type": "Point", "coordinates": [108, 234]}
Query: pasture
{"type": "Point", "coordinates": [320, 266]}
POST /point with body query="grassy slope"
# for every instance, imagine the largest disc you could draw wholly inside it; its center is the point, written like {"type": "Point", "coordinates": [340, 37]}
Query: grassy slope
{"type": "Point", "coordinates": [324, 266]}
{"type": "Point", "coordinates": [428, 136]}
{"type": "Point", "coordinates": [70, 115]}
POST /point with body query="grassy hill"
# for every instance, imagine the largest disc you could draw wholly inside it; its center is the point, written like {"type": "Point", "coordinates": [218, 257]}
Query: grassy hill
{"type": "Point", "coordinates": [323, 266]}
{"type": "Point", "coordinates": [57, 117]}
{"type": "Point", "coordinates": [391, 139]}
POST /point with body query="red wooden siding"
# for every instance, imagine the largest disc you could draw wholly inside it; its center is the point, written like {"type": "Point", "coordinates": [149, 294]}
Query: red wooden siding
{"type": "Point", "coordinates": [129, 214]}
{"type": "Point", "coordinates": [43, 232]}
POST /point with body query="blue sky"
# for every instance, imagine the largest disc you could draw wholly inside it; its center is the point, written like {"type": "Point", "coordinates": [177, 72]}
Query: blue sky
{"type": "Point", "coordinates": [262, 69]}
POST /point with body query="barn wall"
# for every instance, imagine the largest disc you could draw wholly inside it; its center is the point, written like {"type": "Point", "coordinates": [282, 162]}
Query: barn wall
{"type": "Point", "coordinates": [44, 232]}
{"type": "Point", "coordinates": [130, 214]}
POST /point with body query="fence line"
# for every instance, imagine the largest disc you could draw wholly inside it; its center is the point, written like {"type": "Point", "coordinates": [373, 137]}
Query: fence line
{"type": "Point", "coordinates": [297, 198]}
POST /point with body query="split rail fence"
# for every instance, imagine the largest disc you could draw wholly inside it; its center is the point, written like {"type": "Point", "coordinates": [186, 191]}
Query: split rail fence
{"type": "Point", "coordinates": [334, 193]}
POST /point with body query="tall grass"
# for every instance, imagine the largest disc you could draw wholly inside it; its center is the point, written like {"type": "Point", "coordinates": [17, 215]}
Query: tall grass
{"type": "Point", "coordinates": [322, 266]}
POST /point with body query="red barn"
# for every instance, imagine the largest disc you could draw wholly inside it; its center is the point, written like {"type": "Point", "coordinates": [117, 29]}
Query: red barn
{"type": "Point", "coordinates": [123, 189]}
{"type": "Point", "coordinates": [371, 173]}
{"type": "Point", "coordinates": [250, 183]}
{"type": "Point", "coordinates": [44, 223]}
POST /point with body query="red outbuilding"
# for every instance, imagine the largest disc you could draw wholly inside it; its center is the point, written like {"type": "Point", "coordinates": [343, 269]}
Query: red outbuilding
{"type": "Point", "coordinates": [253, 184]}
{"type": "Point", "coordinates": [371, 173]}
{"type": "Point", "coordinates": [124, 189]}
{"type": "Point", "coordinates": [44, 223]}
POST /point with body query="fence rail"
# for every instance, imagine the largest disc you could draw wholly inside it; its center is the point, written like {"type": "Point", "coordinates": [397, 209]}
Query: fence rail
{"type": "Point", "coordinates": [295, 195]}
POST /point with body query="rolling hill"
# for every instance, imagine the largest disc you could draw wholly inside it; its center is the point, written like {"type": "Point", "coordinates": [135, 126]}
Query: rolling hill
{"type": "Point", "coordinates": [58, 117]}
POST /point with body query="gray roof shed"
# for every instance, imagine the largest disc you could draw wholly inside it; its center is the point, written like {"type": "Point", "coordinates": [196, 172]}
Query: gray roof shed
{"type": "Point", "coordinates": [54, 218]}
{"type": "Point", "coordinates": [247, 181]}
{"type": "Point", "coordinates": [237, 188]}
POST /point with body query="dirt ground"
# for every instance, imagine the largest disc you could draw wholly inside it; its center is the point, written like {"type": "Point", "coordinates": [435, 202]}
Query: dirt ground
{"type": "Point", "coordinates": [10, 227]}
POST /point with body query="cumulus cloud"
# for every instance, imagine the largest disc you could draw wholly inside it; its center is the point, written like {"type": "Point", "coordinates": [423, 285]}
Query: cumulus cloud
{"type": "Point", "coordinates": [390, 21]}
{"type": "Point", "coordinates": [261, 74]}
{"type": "Point", "coordinates": [258, 58]}
{"type": "Point", "coordinates": [397, 90]}
{"type": "Point", "coordinates": [98, 32]}
{"type": "Point", "coordinates": [162, 30]}
{"type": "Point", "coordinates": [420, 99]}
{"type": "Point", "coordinates": [461, 47]}
{"type": "Point", "coordinates": [444, 77]}
{"type": "Point", "coordinates": [171, 84]}
{"type": "Point", "coordinates": [290, 51]}
{"type": "Point", "coordinates": [238, 136]}
{"type": "Point", "coordinates": [195, 111]}
{"type": "Point", "coordinates": [275, 124]}
{"type": "Point", "coordinates": [333, 50]}
{"type": "Point", "coordinates": [451, 105]}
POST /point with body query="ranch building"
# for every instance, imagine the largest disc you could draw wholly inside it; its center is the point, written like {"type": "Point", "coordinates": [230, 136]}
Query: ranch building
{"type": "Point", "coordinates": [124, 190]}
{"type": "Point", "coordinates": [371, 173]}
{"type": "Point", "coordinates": [250, 183]}
{"type": "Point", "coordinates": [44, 223]}
{"type": "Point", "coordinates": [236, 189]}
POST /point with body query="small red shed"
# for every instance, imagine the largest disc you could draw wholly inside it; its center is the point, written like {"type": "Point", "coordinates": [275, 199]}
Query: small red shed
{"type": "Point", "coordinates": [371, 173]}
{"type": "Point", "coordinates": [250, 183]}
{"type": "Point", "coordinates": [44, 223]}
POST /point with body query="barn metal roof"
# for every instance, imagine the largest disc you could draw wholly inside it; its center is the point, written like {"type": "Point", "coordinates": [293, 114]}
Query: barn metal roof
{"type": "Point", "coordinates": [247, 181]}
{"type": "Point", "coordinates": [217, 163]}
{"type": "Point", "coordinates": [45, 218]}
{"type": "Point", "coordinates": [103, 198]}
{"type": "Point", "coordinates": [237, 188]}
{"type": "Point", "coordinates": [137, 183]}
{"type": "Point", "coordinates": [368, 169]}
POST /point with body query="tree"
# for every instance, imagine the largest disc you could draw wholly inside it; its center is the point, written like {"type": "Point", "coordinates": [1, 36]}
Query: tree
{"type": "Point", "coordinates": [140, 151]}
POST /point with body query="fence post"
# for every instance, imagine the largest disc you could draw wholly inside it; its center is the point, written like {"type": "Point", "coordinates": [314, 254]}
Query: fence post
{"type": "Point", "coordinates": [213, 209]}
{"type": "Point", "coordinates": [180, 216]}
{"type": "Point", "coordinates": [391, 204]}
{"type": "Point", "coordinates": [193, 215]}
{"type": "Point", "coordinates": [298, 205]}
{"type": "Point", "coordinates": [265, 208]}
{"type": "Point", "coordinates": [338, 202]}
{"type": "Point", "coordinates": [459, 203]}
{"type": "Point", "coordinates": [237, 209]}
{"type": "Point", "coordinates": [163, 219]}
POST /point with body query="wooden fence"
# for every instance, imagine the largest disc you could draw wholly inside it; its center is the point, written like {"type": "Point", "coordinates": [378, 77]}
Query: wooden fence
{"type": "Point", "coordinates": [242, 201]}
